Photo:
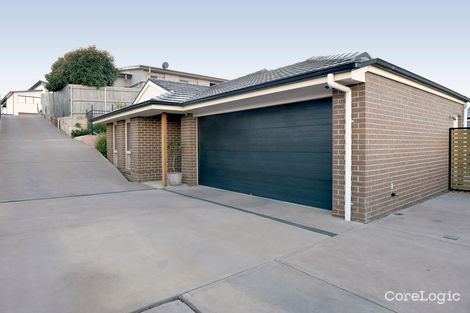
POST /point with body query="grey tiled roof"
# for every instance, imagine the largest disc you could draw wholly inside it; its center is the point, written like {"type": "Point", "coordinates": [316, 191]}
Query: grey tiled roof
{"type": "Point", "coordinates": [184, 92]}
{"type": "Point", "coordinates": [178, 92]}
{"type": "Point", "coordinates": [312, 64]}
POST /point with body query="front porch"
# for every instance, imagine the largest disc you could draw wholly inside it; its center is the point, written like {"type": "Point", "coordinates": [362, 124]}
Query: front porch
{"type": "Point", "coordinates": [139, 147]}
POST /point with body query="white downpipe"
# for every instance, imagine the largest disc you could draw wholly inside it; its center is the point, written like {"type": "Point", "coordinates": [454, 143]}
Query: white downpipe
{"type": "Point", "coordinates": [465, 114]}
{"type": "Point", "coordinates": [347, 143]}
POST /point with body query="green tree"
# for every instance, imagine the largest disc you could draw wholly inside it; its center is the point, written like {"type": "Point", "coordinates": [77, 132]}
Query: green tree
{"type": "Point", "coordinates": [84, 66]}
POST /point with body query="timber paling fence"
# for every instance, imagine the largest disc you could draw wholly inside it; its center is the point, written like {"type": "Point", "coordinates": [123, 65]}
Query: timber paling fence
{"type": "Point", "coordinates": [77, 99]}
{"type": "Point", "coordinates": [459, 158]}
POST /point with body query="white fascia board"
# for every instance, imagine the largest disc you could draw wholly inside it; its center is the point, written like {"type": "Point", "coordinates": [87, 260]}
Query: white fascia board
{"type": "Point", "coordinates": [155, 109]}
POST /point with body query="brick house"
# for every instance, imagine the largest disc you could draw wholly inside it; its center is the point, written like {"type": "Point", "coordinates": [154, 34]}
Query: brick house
{"type": "Point", "coordinates": [348, 133]}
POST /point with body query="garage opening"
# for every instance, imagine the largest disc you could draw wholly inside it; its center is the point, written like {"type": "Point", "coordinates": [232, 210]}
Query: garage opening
{"type": "Point", "coordinates": [282, 152]}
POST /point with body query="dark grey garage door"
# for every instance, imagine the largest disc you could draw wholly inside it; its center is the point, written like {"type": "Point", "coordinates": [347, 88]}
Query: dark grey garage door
{"type": "Point", "coordinates": [281, 152]}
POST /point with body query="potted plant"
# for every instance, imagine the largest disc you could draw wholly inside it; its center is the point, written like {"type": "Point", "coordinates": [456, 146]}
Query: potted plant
{"type": "Point", "coordinates": [174, 149]}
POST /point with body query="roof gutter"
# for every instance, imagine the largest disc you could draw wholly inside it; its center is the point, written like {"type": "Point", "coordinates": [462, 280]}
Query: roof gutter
{"type": "Point", "coordinates": [347, 143]}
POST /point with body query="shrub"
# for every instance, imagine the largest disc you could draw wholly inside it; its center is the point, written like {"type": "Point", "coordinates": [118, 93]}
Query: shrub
{"type": "Point", "coordinates": [174, 150]}
{"type": "Point", "coordinates": [101, 145]}
{"type": "Point", "coordinates": [78, 132]}
{"type": "Point", "coordinates": [84, 66]}
{"type": "Point", "coordinates": [99, 128]}
{"type": "Point", "coordinates": [118, 105]}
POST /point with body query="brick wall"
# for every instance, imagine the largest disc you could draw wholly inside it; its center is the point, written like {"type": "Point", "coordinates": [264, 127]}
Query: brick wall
{"type": "Point", "coordinates": [400, 137]}
{"type": "Point", "coordinates": [145, 137]}
{"type": "Point", "coordinates": [407, 144]}
{"type": "Point", "coordinates": [174, 134]}
{"type": "Point", "coordinates": [109, 142]}
{"type": "Point", "coordinates": [146, 158]}
{"type": "Point", "coordinates": [189, 149]}
{"type": "Point", "coordinates": [358, 162]}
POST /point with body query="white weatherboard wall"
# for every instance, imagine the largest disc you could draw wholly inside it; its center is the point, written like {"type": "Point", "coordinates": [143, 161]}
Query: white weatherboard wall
{"type": "Point", "coordinates": [23, 102]}
{"type": "Point", "coordinates": [140, 75]}
{"type": "Point", "coordinates": [149, 90]}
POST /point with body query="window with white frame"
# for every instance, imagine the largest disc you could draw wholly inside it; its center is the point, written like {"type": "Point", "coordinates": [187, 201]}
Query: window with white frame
{"type": "Point", "coordinates": [188, 81]}
{"type": "Point", "coordinates": [28, 99]}
{"type": "Point", "coordinates": [115, 153]}
{"type": "Point", "coordinates": [128, 145]}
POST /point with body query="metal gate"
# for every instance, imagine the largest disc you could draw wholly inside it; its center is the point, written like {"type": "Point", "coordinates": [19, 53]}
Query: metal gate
{"type": "Point", "coordinates": [459, 158]}
{"type": "Point", "coordinates": [90, 114]}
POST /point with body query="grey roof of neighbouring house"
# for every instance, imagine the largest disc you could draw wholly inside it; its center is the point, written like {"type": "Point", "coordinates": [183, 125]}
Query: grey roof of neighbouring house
{"type": "Point", "coordinates": [183, 92]}
{"type": "Point", "coordinates": [177, 92]}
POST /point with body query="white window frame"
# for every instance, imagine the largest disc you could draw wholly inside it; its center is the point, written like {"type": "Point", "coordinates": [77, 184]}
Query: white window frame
{"type": "Point", "coordinates": [128, 152]}
{"type": "Point", "coordinates": [157, 77]}
{"type": "Point", "coordinates": [115, 151]}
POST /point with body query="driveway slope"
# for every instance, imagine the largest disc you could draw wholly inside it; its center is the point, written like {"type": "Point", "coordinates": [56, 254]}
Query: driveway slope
{"type": "Point", "coordinates": [39, 161]}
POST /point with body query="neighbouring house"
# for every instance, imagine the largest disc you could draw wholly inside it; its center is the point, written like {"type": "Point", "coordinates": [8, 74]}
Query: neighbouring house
{"type": "Point", "coordinates": [348, 133]}
{"type": "Point", "coordinates": [67, 107]}
{"type": "Point", "coordinates": [23, 101]}
{"type": "Point", "coordinates": [137, 75]}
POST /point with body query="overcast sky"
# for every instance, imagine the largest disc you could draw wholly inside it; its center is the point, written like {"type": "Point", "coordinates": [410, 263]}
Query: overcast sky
{"type": "Point", "coordinates": [430, 38]}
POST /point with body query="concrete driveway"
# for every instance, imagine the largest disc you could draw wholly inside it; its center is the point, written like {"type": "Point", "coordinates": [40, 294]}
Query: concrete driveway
{"type": "Point", "coordinates": [76, 237]}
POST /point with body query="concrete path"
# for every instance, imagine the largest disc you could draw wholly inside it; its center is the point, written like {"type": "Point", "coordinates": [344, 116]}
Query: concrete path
{"type": "Point", "coordinates": [94, 249]}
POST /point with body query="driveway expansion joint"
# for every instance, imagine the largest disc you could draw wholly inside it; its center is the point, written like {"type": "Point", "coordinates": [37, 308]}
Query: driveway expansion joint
{"type": "Point", "coordinates": [156, 304]}
{"type": "Point", "coordinates": [276, 219]}
{"type": "Point", "coordinates": [189, 304]}
{"type": "Point", "coordinates": [74, 196]}
{"type": "Point", "coordinates": [331, 284]}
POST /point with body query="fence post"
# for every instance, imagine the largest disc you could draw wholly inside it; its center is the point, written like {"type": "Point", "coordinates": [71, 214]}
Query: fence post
{"type": "Point", "coordinates": [450, 160]}
{"type": "Point", "coordinates": [71, 100]}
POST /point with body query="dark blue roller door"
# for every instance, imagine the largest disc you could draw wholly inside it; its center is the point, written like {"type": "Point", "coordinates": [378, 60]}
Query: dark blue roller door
{"type": "Point", "coordinates": [281, 152]}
